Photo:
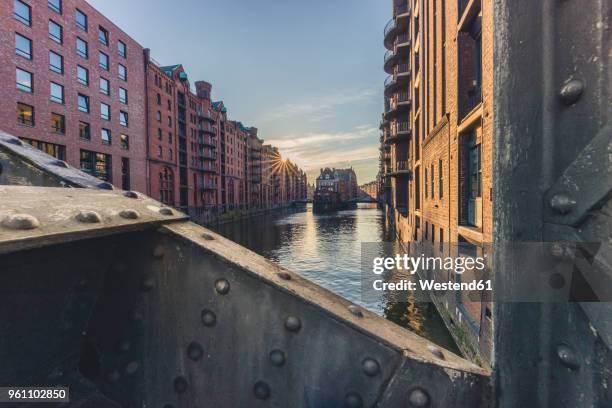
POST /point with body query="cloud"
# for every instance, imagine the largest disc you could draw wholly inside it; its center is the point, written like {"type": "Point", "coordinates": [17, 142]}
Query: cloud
{"type": "Point", "coordinates": [317, 109]}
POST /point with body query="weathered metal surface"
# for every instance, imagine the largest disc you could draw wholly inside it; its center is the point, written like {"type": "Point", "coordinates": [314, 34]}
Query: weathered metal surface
{"type": "Point", "coordinates": [553, 184]}
{"type": "Point", "coordinates": [22, 164]}
{"type": "Point", "coordinates": [31, 217]}
{"type": "Point", "coordinates": [178, 315]}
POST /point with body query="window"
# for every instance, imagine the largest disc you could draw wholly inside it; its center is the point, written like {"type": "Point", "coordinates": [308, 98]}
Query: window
{"type": "Point", "coordinates": [166, 186]}
{"type": "Point", "coordinates": [56, 32]}
{"type": "Point", "coordinates": [25, 114]}
{"type": "Point", "coordinates": [24, 80]}
{"type": "Point", "coordinates": [96, 164]}
{"type": "Point", "coordinates": [158, 99]}
{"type": "Point", "coordinates": [122, 72]}
{"type": "Point", "coordinates": [123, 96]}
{"type": "Point", "coordinates": [125, 142]}
{"type": "Point", "coordinates": [160, 152]}
{"type": "Point", "coordinates": [125, 173]}
{"type": "Point", "coordinates": [432, 180]}
{"type": "Point", "coordinates": [103, 36]}
{"type": "Point", "coordinates": [83, 102]}
{"type": "Point", "coordinates": [57, 93]}
{"type": "Point", "coordinates": [470, 181]}
{"type": "Point", "coordinates": [84, 131]}
{"type": "Point", "coordinates": [121, 49]}
{"type": "Point", "coordinates": [23, 46]}
{"type": "Point", "coordinates": [52, 149]}
{"type": "Point", "coordinates": [440, 179]}
{"type": "Point", "coordinates": [81, 48]}
{"type": "Point", "coordinates": [58, 123]}
{"type": "Point", "coordinates": [106, 137]}
{"type": "Point", "coordinates": [123, 118]}
{"type": "Point", "coordinates": [105, 111]}
{"type": "Point", "coordinates": [83, 75]}
{"type": "Point", "coordinates": [103, 61]}
{"type": "Point", "coordinates": [158, 116]}
{"type": "Point", "coordinates": [159, 134]}
{"type": "Point", "coordinates": [23, 12]}
{"type": "Point", "coordinates": [81, 20]}
{"type": "Point", "coordinates": [56, 63]}
{"type": "Point", "coordinates": [170, 155]}
{"type": "Point", "coordinates": [55, 5]}
{"type": "Point", "coordinates": [169, 121]}
{"type": "Point", "coordinates": [104, 86]}
{"type": "Point", "coordinates": [169, 105]}
{"type": "Point", "coordinates": [426, 184]}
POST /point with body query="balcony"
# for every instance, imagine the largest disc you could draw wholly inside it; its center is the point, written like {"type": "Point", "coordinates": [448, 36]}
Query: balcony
{"type": "Point", "coordinates": [401, 168]}
{"type": "Point", "coordinates": [389, 61]}
{"type": "Point", "coordinates": [397, 104]}
{"type": "Point", "coordinates": [207, 186]}
{"type": "Point", "coordinates": [400, 77]}
{"type": "Point", "coordinates": [207, 141]}
{"type": "Point", "coordinates": [206, 155]}
{"type": "Point", "coordinates": [206, 116]}
{"type": "Point", "coordinates": [389, 33]}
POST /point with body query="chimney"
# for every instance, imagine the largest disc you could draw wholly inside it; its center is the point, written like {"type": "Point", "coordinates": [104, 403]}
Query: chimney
{"type": "Point", "coordinates": [203, 89]}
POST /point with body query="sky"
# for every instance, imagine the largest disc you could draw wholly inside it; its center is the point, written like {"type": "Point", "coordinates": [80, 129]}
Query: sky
{"type": "Point", "coordinates": [307, 73]}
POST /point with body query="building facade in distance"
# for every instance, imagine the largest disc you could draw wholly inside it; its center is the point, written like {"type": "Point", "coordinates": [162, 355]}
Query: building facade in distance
{"type": "Point", "coordinates": [74, 87]}
{"type": "Point", "coordinates": [436, 170]}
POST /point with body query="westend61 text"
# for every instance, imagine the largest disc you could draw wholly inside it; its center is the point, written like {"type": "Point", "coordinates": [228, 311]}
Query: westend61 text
{"type": "Point", "coordinates": [406, 285]}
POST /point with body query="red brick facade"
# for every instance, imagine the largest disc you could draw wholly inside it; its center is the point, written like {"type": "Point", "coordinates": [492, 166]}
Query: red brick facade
{"type": "Point", "coordinates": [65, 140]}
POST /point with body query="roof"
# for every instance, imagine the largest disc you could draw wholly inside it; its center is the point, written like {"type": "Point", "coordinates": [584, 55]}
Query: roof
{"type": "Point", "coordinates": [219, 107]}
{"type": "Point", "coordinates": [169, 70]}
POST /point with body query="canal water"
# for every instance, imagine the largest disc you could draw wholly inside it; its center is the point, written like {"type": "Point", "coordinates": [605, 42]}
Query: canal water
{"type": "Point", "coordinates": [326, 248]}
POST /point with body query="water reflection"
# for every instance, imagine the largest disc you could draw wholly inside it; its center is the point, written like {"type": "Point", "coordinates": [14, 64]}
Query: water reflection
{"type": "Point", "coordinates": [326, 248]}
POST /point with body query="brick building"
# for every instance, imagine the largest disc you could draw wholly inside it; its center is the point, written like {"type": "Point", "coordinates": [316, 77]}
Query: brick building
{"type": "Point", "coordinates": [74, 87]}
{"type": "Point", "coordinates": [437, 139]}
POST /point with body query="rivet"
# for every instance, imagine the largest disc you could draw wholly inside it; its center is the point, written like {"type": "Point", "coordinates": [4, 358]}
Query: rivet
{"type": "Point", "coordinates": [436, 352]}
{"type": "Point", "coordinates": [572, 91]}
{"type": "Point", "coordinates": [113, 376]}
{"type": "Point", "coordinates": [370, 367]}
{"type": "Point", "coordinates": [20, 222]}
{"type": "Point", "coordinates": [277, 358]}
{"type": "Point", "coordinates": [261, 390]}
{"type": "Point", "coordinates": [124, 346]}
{"type": "Point", "coordinates": [222, 286]}
{"type": "Point", "coordinates": [132, 367]}
{"type": "Point", "coordinates": [81, 285]}
{"type": "Point", "coordinates": [180, 385]}
{"type": "Point", "coordinates": [556, 281]}
{"type": "Point", "coordinates": [158, 251]}
{"type": "Point", "coordinates": [208, 318]}
{"type": "Point", "coordinates": [355, 310]}
{"type": "Point", "coordinates": [284, 276]}
{"type": "Point", "coordinates": [166, 211]}
{"type": "Point", "coordinates": [130, 194]}
{"type": "Point", "coordinates": [293, 323]}
{"type": "Point", "coordinates": [136, 316]}
{"type": "Point", "coordinates": [568, 357]}
{"type": "Point", "coordinates": [88, 217]}
{"type": "Point", "coordinates": [208, 237]}
{"type": "Point", "coordinates": [60, 163]}
{"type": "Point", "coordinates": [195, 351]}
{"type": "Point", "coordinates": [418, 398]}
{"type": "Point", "coordinates": [129, 214]}
{"type": "Point", "coordinates": [15, 141]}
{"type": "Point", "coordinates": [148, 284]}
{"type": "Point", "coordinates": [106, 186]}
{"type": "Point", "coordinates": [562, 203]}
{"type": "Point", "coordinates": [353, 400]}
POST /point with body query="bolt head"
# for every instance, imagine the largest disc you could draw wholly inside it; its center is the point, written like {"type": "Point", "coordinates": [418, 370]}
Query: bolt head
{"type": "Point", "coordinates": [568, 357]}
{"type": "Point", "coordinates": [166, 211]}
{"type": "Point", "coordinates": [132, 367]}
{"type": "Point", "coordinates": [20, 222]}
{"type": "Point", "coordinates": [293, 324]}
{"type": "Point", "coordinates": [60, 163]}
{"type": "Point", "coordinates": [208, 237]}
{"type": "Point", "coordinates": [180, 385]}
{"type": "Point", "coordinates": [113, 376]}
{"type": "Point", "coordinates": [222, 286]}
{"type": "Point", "coordinates": [195, 351]}
{"type": "Point", "coordinates": [106, 186]}
{"type": "Point", "coordinates": [436, 352]}
{"type": "Point", "coordinates": [370, 367]}
{"type": "Point", "coordinates": [562, 203]}
{"type": "Point", "coordinates": [353, 400]}
{"type": "Point", "coordinates": [355, 311]}
{"type": "Point", "coordinates": [284, 275]}
{"type": "Point", "coordinates": [130, 194]}
{"type": "Point", "coordinates": [15, 141]}
{"type": "Point", "coordinates": [277, 357]}
{"type": "Point", "coordinates": [124, 346]}
{"type": "Point", "coordinates": [158, 251]}
{"type": "Point", "coordinates": [88, 217]}
{"type": "Point", "coordinates": [209, 318]}
{"type": "Point", "coordinates": [418, 398]}
{"type": "Point", "coordinates": [261, 390]}
{"type": "Point", "coordinates": [129, 214]}
{"type": "Point", "coordinates": [571, 91]}
{"type": "Point", "coordinates": [148, 284]}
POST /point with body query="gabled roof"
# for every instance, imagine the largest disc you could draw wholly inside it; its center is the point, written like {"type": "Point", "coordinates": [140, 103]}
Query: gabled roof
{"type": "Point", "coordinates": [219, 107]}
{"type": "Point", "coordinates": [169, 70]}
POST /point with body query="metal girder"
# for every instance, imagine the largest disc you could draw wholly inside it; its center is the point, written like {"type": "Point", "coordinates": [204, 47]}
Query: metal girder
{"type": "Point", "coordinates": [552, 169]}
{"type": "Point", "coordinates": [22, 164]}
{"type": "Point", "coordinates": [146, 312]}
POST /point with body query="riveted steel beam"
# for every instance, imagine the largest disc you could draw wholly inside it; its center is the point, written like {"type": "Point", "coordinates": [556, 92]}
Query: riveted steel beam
{"type": "Point", "coordinates": [34, 217]}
